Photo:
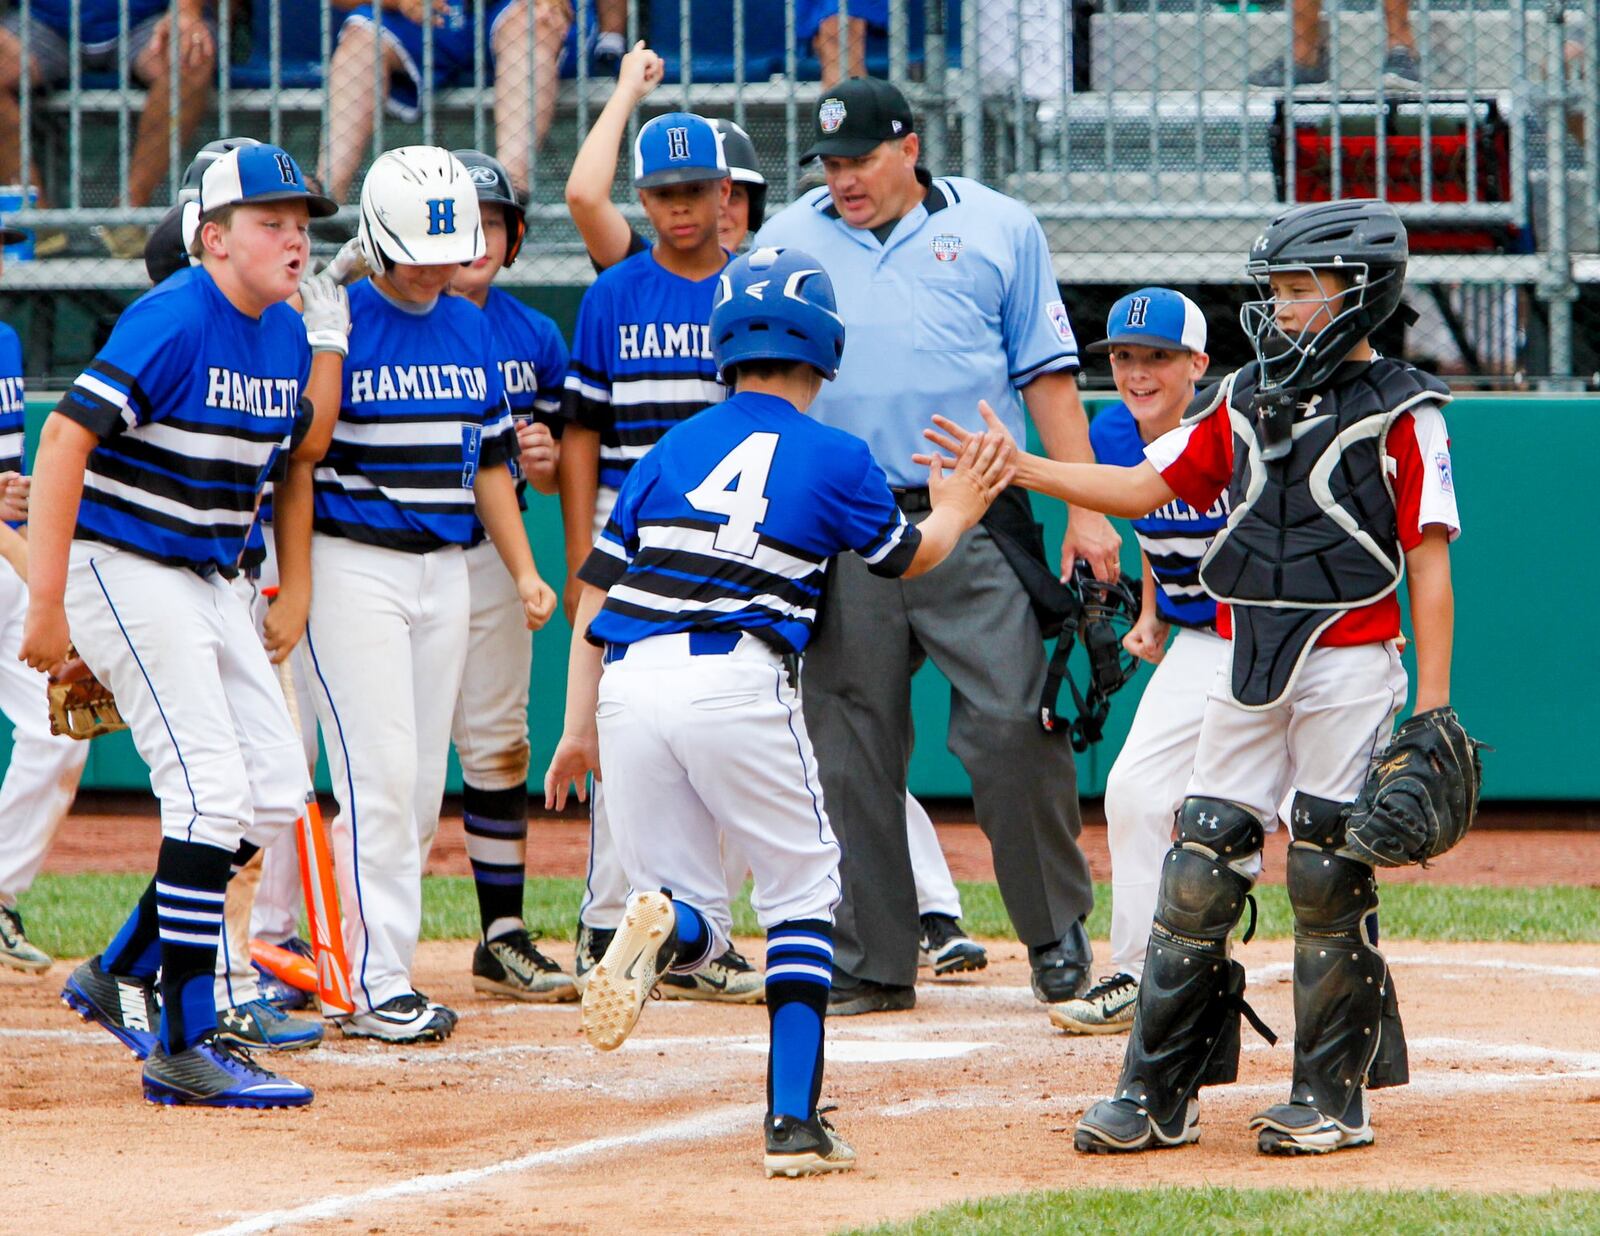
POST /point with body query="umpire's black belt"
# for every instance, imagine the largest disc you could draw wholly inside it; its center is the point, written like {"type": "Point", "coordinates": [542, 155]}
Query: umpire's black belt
{"type": "Point", "coordinates": [913, 500]}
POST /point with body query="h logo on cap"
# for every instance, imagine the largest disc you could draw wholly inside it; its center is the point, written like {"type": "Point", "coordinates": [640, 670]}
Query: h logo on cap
{"type": "Point", "coordinates": [286, 169]}
{"type": "Point", "coordinates": [677, 143]}
{"type": "Point", "coordinates": [441, 216]}
{"type": "Point", "coordinates": [1137, 308]}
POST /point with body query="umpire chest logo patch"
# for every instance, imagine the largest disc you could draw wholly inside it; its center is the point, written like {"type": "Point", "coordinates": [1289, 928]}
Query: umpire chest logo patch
{"type": "Point", "coordinates": [831, 115]}
{"type": "Point", "coordinates": [946, 247]}
{"type": "Point", "coordinates": [1057, 313]}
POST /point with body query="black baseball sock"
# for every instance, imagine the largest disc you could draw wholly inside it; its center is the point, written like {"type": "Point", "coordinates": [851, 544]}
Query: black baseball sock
{"type": "Point", "coordinates": [497, 844]}
{"type": "Point", "coordinates": [191, 883]}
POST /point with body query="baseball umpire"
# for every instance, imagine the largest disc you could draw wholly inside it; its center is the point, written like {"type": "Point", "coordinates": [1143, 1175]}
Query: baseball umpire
{"type": "Point", "coordinates": [946, 287]}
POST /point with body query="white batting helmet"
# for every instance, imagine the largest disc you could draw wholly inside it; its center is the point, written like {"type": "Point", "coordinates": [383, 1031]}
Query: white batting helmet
{"type": "Point", "coordinates": [419, 207]}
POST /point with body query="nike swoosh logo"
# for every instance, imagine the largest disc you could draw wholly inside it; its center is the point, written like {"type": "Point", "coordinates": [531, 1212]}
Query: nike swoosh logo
{"type": "Point", "coordinates": [712, 980]}
{"type": "Point", "coordinates": [1113, 1009]}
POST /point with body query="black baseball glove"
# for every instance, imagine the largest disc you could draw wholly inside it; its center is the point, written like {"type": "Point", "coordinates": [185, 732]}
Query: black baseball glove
{"type": "Point", "coordinates": [1421, 796]}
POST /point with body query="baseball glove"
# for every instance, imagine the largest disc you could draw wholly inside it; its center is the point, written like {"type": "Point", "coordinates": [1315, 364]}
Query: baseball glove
{"type": "Point", "coordinates": [1421, 796]}
{"type": "Point", "coordinates": [81, 706]}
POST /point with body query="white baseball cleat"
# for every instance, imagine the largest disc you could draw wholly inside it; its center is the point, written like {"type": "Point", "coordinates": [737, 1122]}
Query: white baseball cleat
{"type": "Point", "coordinates": [623, 979]}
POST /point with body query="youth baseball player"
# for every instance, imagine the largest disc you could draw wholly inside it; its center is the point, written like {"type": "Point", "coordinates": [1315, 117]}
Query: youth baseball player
{"type": "Point", "coordinates": [1156, 342]}
{"type": "Point", "coordinates": [416, 467]}
{"type": "Point", "coordinates": [490, 726]}
{"type": "Point", "coordinates": [42, 778]}
{"type": "Point", "coordinates": [609, 238]}
{"type": "Point", "coordinates": [641, 363]}
{"type": "Point", "coordinates": [701, 592]}
{"type": "Point", "coordinates": [1336, 462]}
{"type": "Point", "coordinates": [149, 471]}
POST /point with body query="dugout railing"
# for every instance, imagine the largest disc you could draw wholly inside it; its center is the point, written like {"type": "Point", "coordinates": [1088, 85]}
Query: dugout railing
{"type": "Point", "coordinates": [1132, 128]}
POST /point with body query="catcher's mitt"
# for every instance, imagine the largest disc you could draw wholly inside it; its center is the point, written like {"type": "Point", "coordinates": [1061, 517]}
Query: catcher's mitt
{"type": "Point", "coordinates": [81, 707]}
{"type": "Point", "coordinates": [1421, 796]}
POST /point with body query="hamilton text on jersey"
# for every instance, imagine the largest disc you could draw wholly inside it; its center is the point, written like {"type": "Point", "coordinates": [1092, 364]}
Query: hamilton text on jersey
{"type": "Point", "coordinates": [414, 382]}
{"type": "Point", "coordinates": [240, 392]}
{"type": "Point", "coordinates": [636, 341]}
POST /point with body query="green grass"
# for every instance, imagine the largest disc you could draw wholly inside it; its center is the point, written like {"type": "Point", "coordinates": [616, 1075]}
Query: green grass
{"type": "Point", "coordinates": [73, 916]}
{"type": "Point", "coordinates": [1284, 1212]}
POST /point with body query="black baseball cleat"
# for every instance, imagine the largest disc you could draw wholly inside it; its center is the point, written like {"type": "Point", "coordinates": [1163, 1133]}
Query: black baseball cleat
{"type": "Point", "coordinates": [1299, 1128]}
{"type": "Point", "coordinates": [805, 1147]}
{"type": "Point", "coordinates": [590, 948]}
{"type": "Point", "coordinates": [127, 1007]}
{"type": "Point", "coordinates": [511, 966]}
{"type": "Point", "coordinates": [851, 995]}
{"type": "Point", "coordinates": [1122, 1126]}
{"type": "Point", "coordinates": [1060, 969]}
{"type": "Point", "coordinates": [946, 949]}
{"type": "Point", "coordinates": [728, 979]}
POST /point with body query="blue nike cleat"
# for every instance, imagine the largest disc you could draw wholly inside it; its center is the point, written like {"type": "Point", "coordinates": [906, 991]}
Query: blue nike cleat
{"type": "Point", "coordinates": [260, 1026]}
{"type": "Point", "coordinates": [127, 1007]}
{"type": "Point", "coordinates": [275, 991]}
{"type": "Point", "coordinates": [215, 1074]}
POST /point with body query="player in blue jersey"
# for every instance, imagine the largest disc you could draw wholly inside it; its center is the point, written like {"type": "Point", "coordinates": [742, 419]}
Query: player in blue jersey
{"type": "Point", "coordinates": [490, 728]}
{"type": "Point", "coordinates": [1156, 341]}
{"type": "Point", "coordinates": [148, 476]}
{"type": "Point", "coordinates": [42, 777]}
{"type": "Point", "coordinates": [698, 597]}
{"type": "Point", "coordinates": [641, 363]}
{"type": "Point", "coordinates": [415, 473]}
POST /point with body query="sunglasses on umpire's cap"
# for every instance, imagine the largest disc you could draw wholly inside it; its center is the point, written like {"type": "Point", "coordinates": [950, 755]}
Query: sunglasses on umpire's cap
{"type": "Point", "coordinates": [856, 116]}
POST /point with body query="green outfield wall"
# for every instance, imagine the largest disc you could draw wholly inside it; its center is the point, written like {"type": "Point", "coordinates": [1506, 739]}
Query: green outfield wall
{"type": "Point", "coordinates": [1527, 678]}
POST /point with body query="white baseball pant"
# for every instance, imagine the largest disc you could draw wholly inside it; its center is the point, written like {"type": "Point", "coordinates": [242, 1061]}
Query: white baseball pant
{"type": "Point", "coordinates": [42, 778]}
{"type": "Point", "coordinates": [1319, 740]}
{"type": "Point", "coordinates": [191, 678]}
{"type": "Point", "coordinates": [1147, 783]}
{"type": "Point", "coordinates": [696, 749]}
{"type": "Point", "coordinates": [490, 724]}
{"type": "Point", "coordinates": [387, 641]}
{"type": "Point", "coordinates": [936, 891]}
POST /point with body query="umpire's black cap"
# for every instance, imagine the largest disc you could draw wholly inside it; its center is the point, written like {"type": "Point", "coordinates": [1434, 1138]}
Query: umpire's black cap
{"type": "Point", "coordinates": [857, 115]}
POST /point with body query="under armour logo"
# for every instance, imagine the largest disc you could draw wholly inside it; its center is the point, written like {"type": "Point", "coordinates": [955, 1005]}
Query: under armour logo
{"type": "Point", "coordinates": [441, 216]}
{"type": "Point", "coordinates": [1137, 308]}
{"type": "Point", "coordinates": [286, 169]}
{"type": "Point", "coordinates": [1209, 821]}
{"type": "Point", "coordinates": [1302, 816]}
{"type": "Point", "coordinates": [678, 143]}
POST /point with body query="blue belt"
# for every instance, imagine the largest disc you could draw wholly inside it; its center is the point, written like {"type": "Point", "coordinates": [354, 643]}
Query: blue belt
{"type": "Point", "coordinates": [701, 644]}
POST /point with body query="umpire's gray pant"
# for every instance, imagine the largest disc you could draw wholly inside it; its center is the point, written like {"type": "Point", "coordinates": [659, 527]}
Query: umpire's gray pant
{"type": "Point", "coordinates": [971, 616]}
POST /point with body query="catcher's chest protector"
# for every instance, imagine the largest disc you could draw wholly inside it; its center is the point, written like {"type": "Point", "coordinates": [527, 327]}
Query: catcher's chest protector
{"type": "Point", "coordinates": [1313, 534]}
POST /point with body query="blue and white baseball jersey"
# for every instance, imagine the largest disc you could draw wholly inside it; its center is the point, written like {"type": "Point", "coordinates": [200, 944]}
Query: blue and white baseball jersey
{"type": "Point", "coordinates": [1174, 537]}
{"type": "Point", "coordinates": [421, 411]}
{"type": "Point", "coordinates": [13, 401]}
{"type": "Point", "coordinates": [641, 360]}
{"type": "Point", "coordinates": [728, 525]}
{"type": "Point", "coordinates": [533, 357]}
{"type": "Point", "coordinates": [192, 401]}
{"type": "Point", "coordinates": [959, 305]}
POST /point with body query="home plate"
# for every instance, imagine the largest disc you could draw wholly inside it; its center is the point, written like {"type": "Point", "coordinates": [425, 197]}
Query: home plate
{"type": "Point", "coordinates": [872, 1051]}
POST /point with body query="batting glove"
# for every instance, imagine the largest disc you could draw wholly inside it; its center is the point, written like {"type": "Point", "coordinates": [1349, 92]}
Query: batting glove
{"type": "Point", "coordinates": [348, 265]}
{"type": "Point", "coordinates": [326, 313]}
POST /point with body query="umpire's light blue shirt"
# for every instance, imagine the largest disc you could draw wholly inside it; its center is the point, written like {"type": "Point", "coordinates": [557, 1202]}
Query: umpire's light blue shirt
{"type": "Point", "coordinates": [959, 305]}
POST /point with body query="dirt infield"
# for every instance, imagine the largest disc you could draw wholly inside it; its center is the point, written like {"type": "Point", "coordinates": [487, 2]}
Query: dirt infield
{"type": "Point", "coordinates": [100, 840]}
{"type": "Point", "coordinates": [516, 1124]}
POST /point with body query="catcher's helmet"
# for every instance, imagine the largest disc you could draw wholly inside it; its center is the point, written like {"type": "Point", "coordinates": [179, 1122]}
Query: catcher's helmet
{"type": "Point", "coordinates": [419, 207]}
{"type": "Point", "coordinates": [743, 169]}
{"type": "Point", "coordinates": [1364, 241]}
{"type": "Point", "coordinates": [776, 304]}
{"type": "Point", "coordinates": [494, 187]}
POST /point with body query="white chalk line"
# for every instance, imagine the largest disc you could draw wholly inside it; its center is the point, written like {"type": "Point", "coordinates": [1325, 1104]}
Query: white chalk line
{"type": "Point", "coordinates": [718, 1122]}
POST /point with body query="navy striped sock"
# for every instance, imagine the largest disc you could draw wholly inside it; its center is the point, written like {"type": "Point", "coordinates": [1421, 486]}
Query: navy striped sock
{"type": "Point", "coordinates": [135, 951]}
{"type": "Point", "coordinates": [497, 843]}
{"type": "Point", "coordinates": [692, 936]}
{"type": "Point", "coordinates": [799, 977]}
{"type": "Point", "coordinates": [191, 885]}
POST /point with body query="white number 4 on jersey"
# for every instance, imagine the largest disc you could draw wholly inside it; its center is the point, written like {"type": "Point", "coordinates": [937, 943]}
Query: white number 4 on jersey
{"type": "Point", "coordinates": [736, 489]}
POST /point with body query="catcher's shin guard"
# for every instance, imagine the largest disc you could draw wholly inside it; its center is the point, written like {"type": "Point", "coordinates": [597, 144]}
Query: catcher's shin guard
{"type": "Point", "coordinates": [1347, 1021]}
{"type": "Point", "coordinates": [1186, 1031]}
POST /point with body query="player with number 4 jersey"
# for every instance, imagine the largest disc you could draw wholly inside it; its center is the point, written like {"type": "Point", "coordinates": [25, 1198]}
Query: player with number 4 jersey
{"type": "Point", "coordinates": [697, 598]}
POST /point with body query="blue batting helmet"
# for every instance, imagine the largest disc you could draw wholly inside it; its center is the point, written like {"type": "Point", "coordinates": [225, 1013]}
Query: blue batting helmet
{"type": "Point", "coordinates": [776, 304]}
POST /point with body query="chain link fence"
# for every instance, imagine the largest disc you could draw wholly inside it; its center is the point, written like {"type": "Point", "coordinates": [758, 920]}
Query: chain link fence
{"type": "Point", "coordinates": [1150, 137]}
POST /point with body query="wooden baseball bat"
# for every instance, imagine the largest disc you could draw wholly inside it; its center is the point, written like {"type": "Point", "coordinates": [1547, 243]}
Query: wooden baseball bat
{"type": "Point", "coordinates": [316, 878]}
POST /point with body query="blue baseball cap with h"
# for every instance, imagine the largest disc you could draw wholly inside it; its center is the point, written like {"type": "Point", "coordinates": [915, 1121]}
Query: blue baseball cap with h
{"type": "Point", "coordinates": [676, 149]}
{"type": "Point", "coordinates": [256, 175]}
{"type": "Point", "coordinates": [1154, 318]}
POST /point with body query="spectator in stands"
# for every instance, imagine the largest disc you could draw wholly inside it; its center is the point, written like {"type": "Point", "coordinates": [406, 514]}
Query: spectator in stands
{"type": "Point", "coordinates": [150, 41]}
{"type": "Point", "coordinates": [612, 41]}
{"type": "Point", "coordinates": [1309, 66]}
{"type": "Point", "coordinates": [817, 21]}
{"type": "Point", "coordinates": [351, 78]}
